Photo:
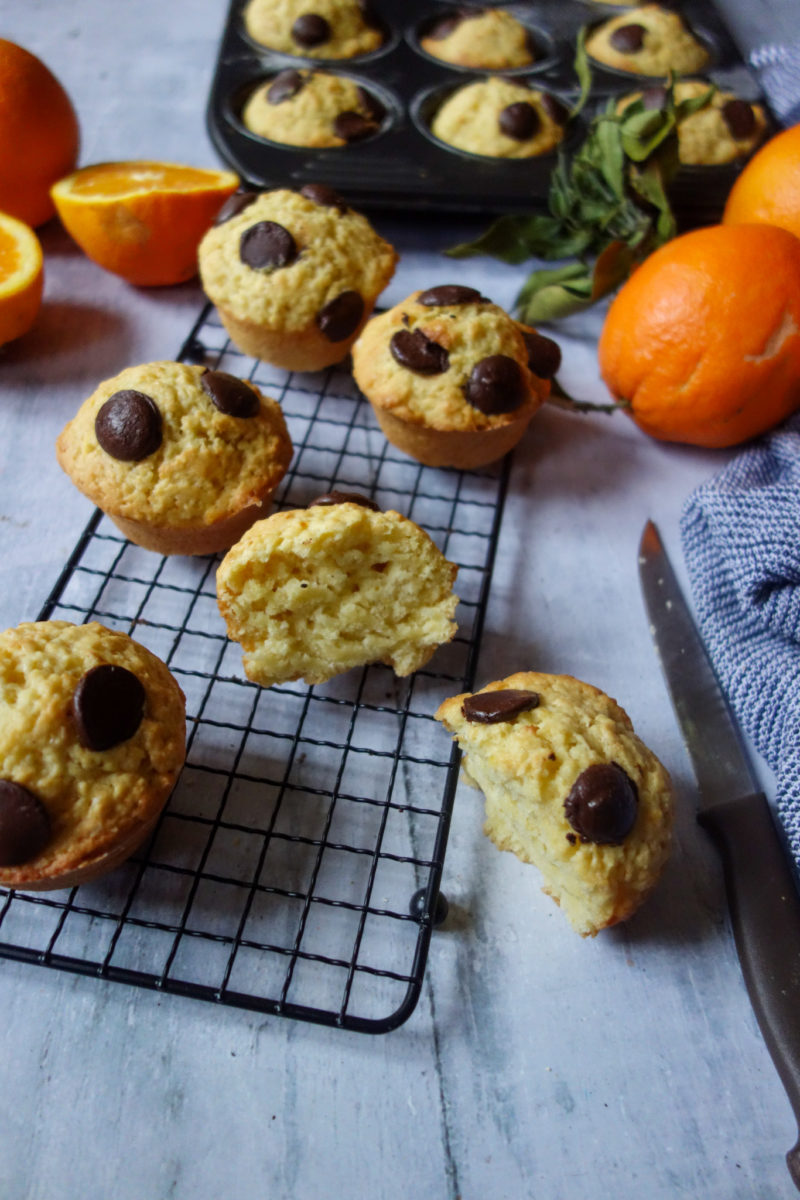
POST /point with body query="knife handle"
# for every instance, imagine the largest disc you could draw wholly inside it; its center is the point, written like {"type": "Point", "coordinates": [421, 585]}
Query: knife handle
{"type": "Point", "coordinates": [765, 915]}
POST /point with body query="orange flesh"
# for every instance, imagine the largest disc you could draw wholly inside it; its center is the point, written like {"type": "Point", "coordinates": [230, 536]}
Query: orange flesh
{"type": "Point", "coordinates": [10, 257]}
{"type": "Point", "coordinates": [111, 179]}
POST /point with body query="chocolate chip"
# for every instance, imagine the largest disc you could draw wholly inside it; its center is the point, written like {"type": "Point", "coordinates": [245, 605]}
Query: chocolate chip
{"type": "Point", "coordinates": [738, 115]}
{"type": "Point", "coordinates": [369, 15]}
{"type": "Point", "coordinates": [326, 197]}
{"type": "Point", "coordinates": [371, 105]}
{"type": "Point", "coordinates": [285, 85]}
{"type": "Point", "coordinates": [544, 355]}
{"type": "Point", "coordinates": [352, 127]}
{"type": "Point", "coordinates": [496, 385]}
{"type": "Point", "coordinates": [230, 395]}
{"type": "Point", "coordinates": [311, 30]}
{"type": "Point", "coordinates": [418, 353]}
{"type": "Point", "coordinates": [442, 28]}
{"type": "Point", "coordinates": [267, 244]}
{"type": "Point", "coordinates": [627, 38]}
{"type": "Point", "coordinates": [24, 824]}
{"type": "Point", "coordinates": [556, 110]}
{"type": "Point", "coordinates": [341, 316]}
{"type": "Point", "coordinates": [490, 708]}
{"type": "Point", "coordinates": [334, 497]}
{"type": "Point", "coordinates": [449, 293]}
{"type": "Point", "coordinates": [602, 804]}
{"type": "Point", "coordinates": [519, 121]}
{"type": "Point", "coordinates": [654, 97]}
{"type": "Point", "coordinates": [107, 706]}
{"type": "Point", "coordinates": [235, 204]}
{"type": "Point", "coordinates": [129, 426]}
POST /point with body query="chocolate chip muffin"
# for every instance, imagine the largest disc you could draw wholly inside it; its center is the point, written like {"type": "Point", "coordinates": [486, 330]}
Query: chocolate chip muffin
{"type": "Point", "coordinates": [181, 458]}
{"type": "Point", "coordinates": [313, 592]}
{"type": "Point", "coordinates": [317, 109]}
{"type": "Point", "coordinates": [92, 740]}
{"type": "Point", "coordinates": [651, 41]}
{"type": "Point", "coordinates": [484, 39]}
{"type": "Point", "coordinates": [452, 378]}
{"type": "Point", "coordinates": [499, 118]}
{"type": "Point", "coordinates": [570, 788]}
{"type": "Point", "coordinates": [726, 129]}
{"type": "Point", "coordinates": [314, 28]}
{"type": "Point", "coordinates": [294, 275]}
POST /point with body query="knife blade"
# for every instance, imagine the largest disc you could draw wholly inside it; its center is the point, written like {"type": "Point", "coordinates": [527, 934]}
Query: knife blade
{"type": "Point", "coordinates": [762, 897]}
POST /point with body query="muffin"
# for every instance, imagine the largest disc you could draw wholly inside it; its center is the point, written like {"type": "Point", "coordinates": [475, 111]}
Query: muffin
{"type": "Point", "coordinates": [725, 129]}
{"type": "Point", "coordinates": [485, 39]}
{"type": "Point", "coordinates": [651, 41]}
{"type": "Point", "coordinates": [294, 275]}
{"type": "Point", "coordinates": [317, 109]}
{"type": "Point", "coordinates": [570, 788]}
{"type": "Point", "coordinates": [92, 740]}
{"type": "Point", "coordinates": [182, 459]}
{"type": "Point", "coordinates": [453, 380]}
{"type": "Point", "coordinates": [314, 28]}
{"type": "Point", "coordinates": [310, 593]}
{"type": "Point", "coordinates": [499, 118]}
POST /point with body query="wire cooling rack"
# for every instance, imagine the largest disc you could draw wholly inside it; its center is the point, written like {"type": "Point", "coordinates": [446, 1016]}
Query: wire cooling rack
{"type": "Point", "coordinates": [296, 868]}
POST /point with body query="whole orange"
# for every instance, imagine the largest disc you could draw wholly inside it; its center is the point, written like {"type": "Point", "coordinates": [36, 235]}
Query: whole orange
{"type": "Point", "coordinates": [702, 343]}
{"type": "Point", "coordinates": [39, 135]}
{"type": "Point", "coordinates": [768, 189]}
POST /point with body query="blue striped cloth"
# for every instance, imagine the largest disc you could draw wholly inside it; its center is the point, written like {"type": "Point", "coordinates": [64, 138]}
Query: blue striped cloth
{"type": "Point", "coordinates": [741, 541]}
{"type": "Point", "coordinates": [767, 33]}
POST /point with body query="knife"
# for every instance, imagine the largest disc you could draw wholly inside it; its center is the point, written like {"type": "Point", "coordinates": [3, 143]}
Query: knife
{"type": "Point", "coordinates": [762, 896]}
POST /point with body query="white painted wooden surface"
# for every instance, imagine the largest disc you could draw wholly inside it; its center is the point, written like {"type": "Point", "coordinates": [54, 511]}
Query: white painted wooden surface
{"type": "Point", "coordinates": [537, 1064]}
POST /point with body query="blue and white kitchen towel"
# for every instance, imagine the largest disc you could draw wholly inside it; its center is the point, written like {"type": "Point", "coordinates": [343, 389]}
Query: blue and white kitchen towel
{"type": "Point", "coordinates": [741, 541]}
{"type": "Point", "coordinates": [767, 33]}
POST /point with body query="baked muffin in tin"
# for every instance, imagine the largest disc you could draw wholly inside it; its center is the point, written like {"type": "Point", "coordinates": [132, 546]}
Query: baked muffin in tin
{"type": "Point", "coordinates": [324, 29]}
{"type": "Point", "coordinates": [651, 40]}
{"type": "Point", "coordinates": [500, 118]}
{"type": "Point", "coordinates": [724, 130]}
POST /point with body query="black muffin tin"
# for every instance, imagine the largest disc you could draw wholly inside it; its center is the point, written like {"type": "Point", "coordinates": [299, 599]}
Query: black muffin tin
{"type": "Point", "coordinates": [403, 167]}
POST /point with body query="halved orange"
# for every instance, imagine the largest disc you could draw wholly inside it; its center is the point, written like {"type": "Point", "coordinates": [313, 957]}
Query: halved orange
{"type": "Point", "coordinates": [142, 220]}
{"type": "Point", "coordinates": [21, 278]}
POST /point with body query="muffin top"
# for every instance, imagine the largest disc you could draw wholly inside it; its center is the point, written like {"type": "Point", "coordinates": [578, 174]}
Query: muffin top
{"type": "Point", "coordinates": [499, 118]}
{"type": "Point", "coordinates": [175, 445]}
{"type": "Point", "coordinates": [290, 259]}
{"type": "Point", "coordinates": [486, 39]}
{"type": "Point", "coordinates": [311, 108]}
{"type": "Point", "coordinates": [449, 359]}
{"type": "Point", "coordinates": [650, 41]}
{"type": "Point", "coordinates": [314, 28]}
{"type": "Point", "coordinates": [723, 130]}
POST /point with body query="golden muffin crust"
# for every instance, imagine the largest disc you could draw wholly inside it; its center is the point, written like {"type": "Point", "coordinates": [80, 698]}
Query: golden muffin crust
{"type": "Point", "coordinates": [499, 118]}
{"type": "Point", "coordinates": [599, 846]}
{"type": "Point", "coordinates": [488, 41]}
{"type": "Point", "coordinates": [317, 109]}
{"type": "Point", "coordinates": [313, 28]}
{"type": "Point", "coordinates": [650, 41]}
{"type": "Point", "coordinates": [100, 804]}
{"type": "Point", "coordinates": [726, 129]}
{"type": "Point", "coordinates": [209, 467]}
{"type": "Point", "coordinates": [312, 592]}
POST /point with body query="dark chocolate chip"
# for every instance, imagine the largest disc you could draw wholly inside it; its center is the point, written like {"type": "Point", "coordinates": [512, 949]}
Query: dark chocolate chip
{"type": "Point", "coordinates": [419, 353]}
{"type": "Point", "coordinates": [341, 316]}
{"type": "Point", "coordinates": [235, 204]}
{"type": "Point", "coordinates": [519, 121]}
{"type": "Point", "coordinates": [602, 804]}
{"type": "Point", "coordinates": [107, 706]}
{"type": "Point", "coordinates": [448, 294]}
{"type": "Point", "coordinates": [285, 85]}
{"type": "Point", "coordinates": [490, 708]}
{"type": "Point", "coordinates": [496, 385]}
{"type": "Point", "coordinates": [654, 97]}
{"type": "Point", "coordinates": [556, 110]}
{"type": "Point", "coordinates": [344, 498]}
{"type": "Point", "coordinates": [230, 395]}
{"type": "Point", "coordinates": [738, 115]}
{"type": "Point", "coordinates": [267, 244]}
{"type": "Point", "coordinates": [326, 197]}
{"type": "Point", "coordinates": [369, 15]}
{"type": "Point", "coordinates": [442, 28]}
{"type": "Point", "coordinates": [371, 105]}
{"type": "Point", "coordinates": [24, 824]}
{"type": "Point", "coordinates": [310, 29]}
{"type": "Point", "coordinates": [628, 39]}
{"type": "Point", "coordinates": [544, 355]}
{"type": "Point", "coordinates": [352, 127]}
{"type": "Point", "coordinates": [128, 426]}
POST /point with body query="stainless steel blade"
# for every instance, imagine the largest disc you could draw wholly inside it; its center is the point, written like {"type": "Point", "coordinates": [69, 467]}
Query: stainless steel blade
{"type": "Point", "coordinates": [710, 732]}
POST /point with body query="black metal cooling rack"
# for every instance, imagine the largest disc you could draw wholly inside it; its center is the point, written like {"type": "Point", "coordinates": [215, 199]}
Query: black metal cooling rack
{"type": "Point", "coordinates": [296, 868]}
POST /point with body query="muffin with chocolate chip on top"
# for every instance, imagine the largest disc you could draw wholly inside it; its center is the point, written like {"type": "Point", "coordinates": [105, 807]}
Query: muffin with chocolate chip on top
{"type": "Point", "coordinates": [294, 275]}
{"type": "Point", "coordinates": [92, 740]}
{"type": "Point", "coordinates": [316, 109]}
{"type": "Point", "coordinates": [500, 118]}
{"type": "Point", "coordinates": [725, 129]}
{"type": "Point", "coordinates": [327, 29]}
{"type": "Point", "coordinates": [487, 39]}
{"type": "Point", "coordinates": [181, 458]}
{"type": "Point", "coordinates": [652, 40]}
{"type": "Point", "coordinates": [454, 381]}
{"type": "Point", "coordinates": [568, 787]}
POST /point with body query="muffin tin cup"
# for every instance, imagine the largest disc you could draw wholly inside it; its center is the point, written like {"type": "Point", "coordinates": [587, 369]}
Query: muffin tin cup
{"type": "Point", "coordinates": [611, 78]}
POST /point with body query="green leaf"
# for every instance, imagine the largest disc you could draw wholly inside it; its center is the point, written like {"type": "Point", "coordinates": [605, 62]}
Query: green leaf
{"type": "Point", "coordinates": [507, 239]}
{"type": "Point", "coordinates": [582, 70]}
